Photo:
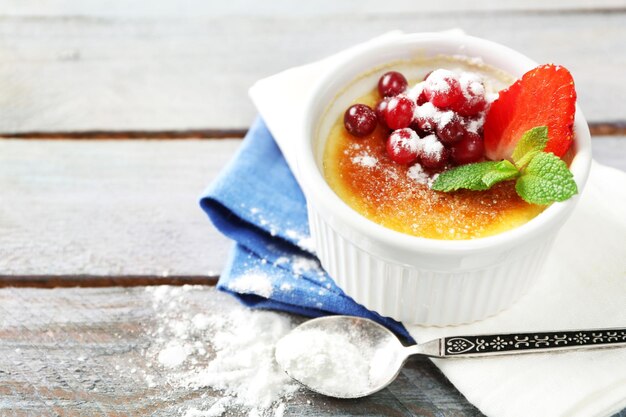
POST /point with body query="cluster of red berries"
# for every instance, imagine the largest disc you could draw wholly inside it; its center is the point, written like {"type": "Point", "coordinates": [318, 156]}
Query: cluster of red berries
{"type": "Point", "coordinates": [437, 122]}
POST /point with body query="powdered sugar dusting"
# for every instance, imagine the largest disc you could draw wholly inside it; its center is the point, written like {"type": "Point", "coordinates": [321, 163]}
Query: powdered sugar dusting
{"type": "Point", "coordinates": [491, 97]}
{"type": "Point", "coordinates": [216, 410]}
{"type": "Point", "coordinates": [428, 111]}
{"type": "Point", "coordinates": [229, 349]}
{"type": "Point", "coordinates": [302, 264]}
{"type": "Point", "coordinates": [415, 91]}
{"type": "Point", "coordinates": [430, 145]}
{"type": "Point", "coordinates": [437, 80]}
{"type": "Point", "coordinates": [303, 241]}
{"type": "Point", "coordinates": [444, 118]}
{"type": "Point", "coordinates": [253, 283]}
{"type": "Point", "coordinates": [307, 243]}
{"type": "Point", "coordinates": [474, 125]}
{"type": "Point", "coordinates": [174, 354]}
{"type": "Point", "coordinates": [417, 174]}
{"type": "Point", "coordinates": [276, 226]}
{"type": "Point", "coordinates": [365, 160]}
{"type": "Point", "coordinates": [244, 347]}
{"type": "Point", "coordinates": [471, 85]}
{"type": "Point", "coordinates": [280, 410]}
{"type": "Point", "coordinates": [432, 179]}
{"type": "Point", "coordinates": [405, 139]}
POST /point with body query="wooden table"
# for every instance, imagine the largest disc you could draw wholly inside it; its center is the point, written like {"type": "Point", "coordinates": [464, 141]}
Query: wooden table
{"type": "Point", "coordinates": [113, 119]}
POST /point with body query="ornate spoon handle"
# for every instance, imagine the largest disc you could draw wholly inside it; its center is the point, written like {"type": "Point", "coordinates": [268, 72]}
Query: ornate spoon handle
{"type": "Point", "coordinates": [511, 344]}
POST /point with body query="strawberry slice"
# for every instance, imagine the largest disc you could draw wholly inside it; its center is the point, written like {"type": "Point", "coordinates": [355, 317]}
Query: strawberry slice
{"type": "Point", "coordinates": [544, 96]}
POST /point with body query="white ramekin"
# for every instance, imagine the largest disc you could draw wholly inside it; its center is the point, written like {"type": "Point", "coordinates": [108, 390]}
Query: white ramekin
{"type": "Point", "coordinates": [412, 279]}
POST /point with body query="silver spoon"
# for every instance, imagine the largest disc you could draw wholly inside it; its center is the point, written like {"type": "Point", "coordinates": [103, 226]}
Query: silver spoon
{"type": "Point", "coordinates": [381, 350]}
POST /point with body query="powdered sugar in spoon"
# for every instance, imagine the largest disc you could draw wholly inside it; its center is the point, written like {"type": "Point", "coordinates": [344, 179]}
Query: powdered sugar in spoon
{"type": "Point", "coordinates": [352, 357]}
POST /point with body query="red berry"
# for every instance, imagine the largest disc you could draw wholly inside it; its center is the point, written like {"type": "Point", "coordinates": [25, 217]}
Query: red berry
{"type": "Point", "coordinates": [475, 125]}
{"type": "Point", "coordinates": [399, 112]}
{"type": "Point", "coordinates": [442, 88]}
{"type": "Point", "coordinates": [425, 124]}
{"type": "Point", "coordinates": [402, 146]}
{"type": "Point", "coordinates": [471, 107]}
{"type": "Point", "coordinates": [426, 117]}
{"type": "Point", "coordinates": [414, 126]}
{"type": "Point", "coordinates": [470, 149]}
{"type": "Point", "coordinates": [452, 131]}
{"type": "Point", "coordinates": [436, 161]}
{"type": "Point", "coordinates": [432, 153]}
{"type": "Point", "coordinates": [380, 110]}
{"type": "Point", "coordinates": [417, 94]}
{"type": "Point", "coordinates": [359, 120]}
{"type": "Point", "coordinates": [392, 83]}
{"type": "Point", "coordinates": [421, 99]}
{"type": "Point", "coordinates": [474, 100]}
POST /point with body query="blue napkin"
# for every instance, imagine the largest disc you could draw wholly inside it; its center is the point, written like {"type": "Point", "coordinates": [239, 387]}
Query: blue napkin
{"type": "Point", "coordinates": [257, 202]}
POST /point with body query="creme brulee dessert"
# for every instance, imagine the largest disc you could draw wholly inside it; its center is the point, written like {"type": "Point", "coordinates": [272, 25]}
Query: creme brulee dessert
{"type": "Point", "coordinates": [384, 157]}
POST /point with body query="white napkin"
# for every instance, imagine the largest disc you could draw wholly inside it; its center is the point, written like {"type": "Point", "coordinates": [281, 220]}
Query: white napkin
{"type": "Point", "coordinates": [582, 286]}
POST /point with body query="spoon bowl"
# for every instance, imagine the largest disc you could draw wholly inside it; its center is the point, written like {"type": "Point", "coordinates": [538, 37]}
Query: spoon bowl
{"type": "Point", "coordinates": [374, 345]}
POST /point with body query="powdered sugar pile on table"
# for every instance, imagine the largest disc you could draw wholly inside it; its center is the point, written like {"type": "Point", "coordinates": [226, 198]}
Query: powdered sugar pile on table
{"type": "Point", "coordinates": [230, 350]}
{"type": "Point", "coordinates": [244, 366]}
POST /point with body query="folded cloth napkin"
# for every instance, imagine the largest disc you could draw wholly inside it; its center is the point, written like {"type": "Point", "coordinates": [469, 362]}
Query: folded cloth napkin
{"type": "Point", "coordinates": [257, 202]}
{"type": "Point", "coordinates": [582, 286]}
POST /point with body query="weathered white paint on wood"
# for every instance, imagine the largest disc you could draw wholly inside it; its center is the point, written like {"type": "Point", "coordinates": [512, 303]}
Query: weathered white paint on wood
{"type": "Point", "coordinates": [610, 151]}
{"type": "Point", "coordinates": [109, 208]}
{"type": "Point", "coordinates": [280, 8]}
{"type": "Point", "coordinates": [86, 73]}
{"type": "Point", "coordinates": [123, 207]}
{"type": "Point", "coordinates": [93, 352]}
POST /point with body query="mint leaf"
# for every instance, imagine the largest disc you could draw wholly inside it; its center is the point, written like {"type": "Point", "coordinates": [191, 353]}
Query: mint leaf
{"type": "Point", "coordinates": [468, 176]}
{"type": "Point", "coordinates": [503, 170]}
{"type": "Point", "coordinates": [531, 143]}
{"type": "Point", "coordinates": [477, 176]}
{"type": "Point", "coordinates": [546, 179]}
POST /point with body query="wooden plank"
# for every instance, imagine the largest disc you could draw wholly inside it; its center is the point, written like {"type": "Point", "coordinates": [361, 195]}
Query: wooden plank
{"type": "Point", "coordinates": [109, 208]}
{"type": "Point", "coordinates": [282, 8]}
{"type": "Point", "coordinates": [96, 209]}
{"type": "Point", "coordinates": [69, 352]}
{"type": "Point", "coordinates": [610, 151]}
{"type": "Point", "coordinates": [93, 73]}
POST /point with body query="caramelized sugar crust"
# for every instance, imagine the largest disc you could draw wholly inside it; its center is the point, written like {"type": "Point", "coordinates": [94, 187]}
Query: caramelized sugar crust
{"type": "Point", "coordinates": [361, 173]}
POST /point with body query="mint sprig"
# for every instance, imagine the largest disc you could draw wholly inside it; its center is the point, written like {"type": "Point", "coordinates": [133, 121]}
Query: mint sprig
{"type": "Point", "coordinates": [478, 176]}
{"type": "Point", "coordinates": [546, 179]}
{"type": "Point", "coordinates": [532, 142]}
{"type": "Point", "coordinates": [542, 177]}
